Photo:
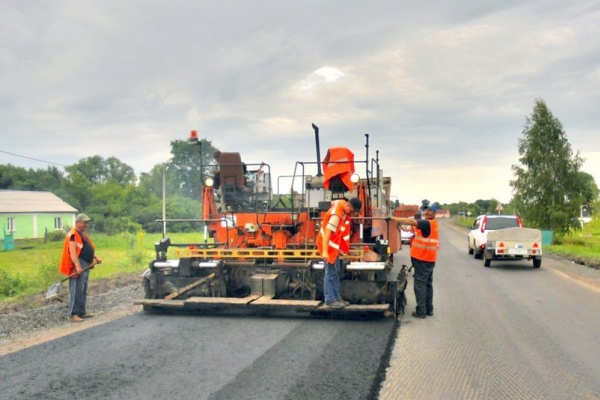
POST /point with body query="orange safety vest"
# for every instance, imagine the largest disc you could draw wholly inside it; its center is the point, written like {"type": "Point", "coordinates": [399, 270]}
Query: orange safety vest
{"type": "Point", "coordinates": [340, 239]}
{"type": "Point", "coordinates": [67, 266]}
{"type": "Point", "coordinates": [425, 248]}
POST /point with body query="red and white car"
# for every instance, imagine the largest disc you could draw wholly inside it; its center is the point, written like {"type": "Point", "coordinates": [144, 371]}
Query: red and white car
{"type": "Point", "coordinates": [486, 223]}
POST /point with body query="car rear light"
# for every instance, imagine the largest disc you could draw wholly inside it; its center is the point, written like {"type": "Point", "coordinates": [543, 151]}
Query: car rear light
{"type": "Point", "coordinates": [482, 247]}
{"type": "Point", "coordinates": [519, 221]}
{"type": "Point", "coordinates": [501, 251]}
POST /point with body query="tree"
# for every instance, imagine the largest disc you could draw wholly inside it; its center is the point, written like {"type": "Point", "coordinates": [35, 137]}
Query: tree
{"type": "Point", "coordinates": [119, 172]}
{"type": "Point", "coordinates": [19, 178]}
{"type": "Point", "coordinates": [590, 188]}
{"type": "Point", "coordinates": [91, 169]}
{"type": "Point", "coordinates": [483, 205]}
{"type": "Point", "coordinates": [547, 182]}
{"type": "Point", "coordinates": [78, 191]}
{"type": "Point", "coordinates": [186, 160]}
{"type": "Point", "coordinates": [98, 170]}
{"type": "Point", "coordinates": [151, 182]}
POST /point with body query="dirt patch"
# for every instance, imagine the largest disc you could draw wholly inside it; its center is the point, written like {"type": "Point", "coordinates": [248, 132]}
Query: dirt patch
{"type": "Point", "coordinates": [588, 262]}
{"type": "Point", "coordinates": [95, 287]}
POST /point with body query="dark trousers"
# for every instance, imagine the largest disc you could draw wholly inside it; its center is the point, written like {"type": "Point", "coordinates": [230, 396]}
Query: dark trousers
{"type": "Point", "coordinates": [78, 291]}
{"type": "Point", "coordinates": [423, 285]}
{"type": "Point", "coordinates": [331, 282]}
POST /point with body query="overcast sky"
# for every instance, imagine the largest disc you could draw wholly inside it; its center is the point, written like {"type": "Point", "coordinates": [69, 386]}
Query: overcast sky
{"type": "Point", "coordinates": [442, 88]}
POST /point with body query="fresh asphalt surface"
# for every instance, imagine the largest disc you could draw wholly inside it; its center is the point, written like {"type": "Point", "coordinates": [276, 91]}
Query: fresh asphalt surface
{"type": "Point", "coordinates": [205, 357]}
{"type": "Point", "coordinates": [509, 331]}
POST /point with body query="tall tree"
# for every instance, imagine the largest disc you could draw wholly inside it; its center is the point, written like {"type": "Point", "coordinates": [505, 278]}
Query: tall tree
{"type": "Point", "coordinates": [151, 182]}
{"type": "Point", "coordinates": [93, 169]}
{"type": "Point", "coordinates": [590, 191]}
{"type": "Point", "coordinates": [186, 160]}
{"type": "Point", "coordinates": [99, 170]}
{"type": "Point", "coordinates": [119, 172]}
{"type": "Point", "coordinates": [19, 178]}
{"type": "Point", "coordinates": [547, 180]}
{"type": "Point", "coordinates": [78, 191]}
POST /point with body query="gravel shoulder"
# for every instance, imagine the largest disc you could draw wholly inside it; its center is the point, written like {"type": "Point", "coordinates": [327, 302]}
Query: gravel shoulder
{"type": "Point", "coordinates": [31, 321]}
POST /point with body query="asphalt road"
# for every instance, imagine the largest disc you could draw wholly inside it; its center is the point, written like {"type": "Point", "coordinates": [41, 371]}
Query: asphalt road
{"type": "Point", "coordinates": [205, 357]}
{"type": "Point", "coordinates": [505, 332]}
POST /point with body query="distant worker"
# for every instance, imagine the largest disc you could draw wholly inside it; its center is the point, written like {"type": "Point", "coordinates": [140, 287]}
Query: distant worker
{"type": "Point", "coordinates": [78, 254]}
{"type": "Point", "coordinates": [423, 254]}
{"type": "Point", "coordinates": [333, 239]}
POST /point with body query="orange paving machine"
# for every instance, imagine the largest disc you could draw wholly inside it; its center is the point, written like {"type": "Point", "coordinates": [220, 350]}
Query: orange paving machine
{"type": "Point", "coordinates": [259, 248]}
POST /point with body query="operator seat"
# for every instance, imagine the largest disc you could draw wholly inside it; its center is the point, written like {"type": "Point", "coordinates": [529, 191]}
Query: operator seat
{"type": "Point", "coordinates": [231, 176]}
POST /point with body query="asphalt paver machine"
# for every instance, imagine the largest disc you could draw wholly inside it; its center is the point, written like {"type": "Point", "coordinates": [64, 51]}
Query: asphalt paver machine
{"type": "Point", "coordinates": [259, 248]}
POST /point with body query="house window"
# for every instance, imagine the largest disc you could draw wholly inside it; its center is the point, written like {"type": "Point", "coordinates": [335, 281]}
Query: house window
{"type": "Point", "coordinates": [57, 223]}
{"type": "Point", "coordinates": [10, 224]}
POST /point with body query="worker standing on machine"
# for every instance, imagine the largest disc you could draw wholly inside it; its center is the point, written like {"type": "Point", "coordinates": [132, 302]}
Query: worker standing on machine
{"type": "Point", "coordinates": [423, 254]}
{"type": "Point", "coordinates": [333, 238]}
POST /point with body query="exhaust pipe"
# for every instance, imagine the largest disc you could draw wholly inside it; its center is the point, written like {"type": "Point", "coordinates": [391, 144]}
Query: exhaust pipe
{"type": "Point", "coordinates": [316, 128]}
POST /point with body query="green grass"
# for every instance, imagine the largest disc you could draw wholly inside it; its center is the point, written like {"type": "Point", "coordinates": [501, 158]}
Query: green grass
{"type": "Point", "coordinates": [466, 222]}
{"type": "Point", "coordinates": [33, 265]}
{"type": "Point", "coordinates": [584, 244]}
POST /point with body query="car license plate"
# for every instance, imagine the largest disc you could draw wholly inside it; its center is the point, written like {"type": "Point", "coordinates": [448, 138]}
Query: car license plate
{"type": "Point", "coordinates": [517, 250]}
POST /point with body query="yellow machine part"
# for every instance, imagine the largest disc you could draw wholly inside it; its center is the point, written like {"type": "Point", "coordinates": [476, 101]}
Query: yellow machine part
{"type": "Point", "coordinates": [354, 255]}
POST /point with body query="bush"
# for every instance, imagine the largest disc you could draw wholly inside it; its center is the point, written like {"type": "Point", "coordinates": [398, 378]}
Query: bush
{"type": "Point", "coordinates": [56, 236]}
{"type": "Point", "coordinates": [48, 274]}
{"type": "Point", "coordinates": [135, 253]}
{"type": "Point", "coordinates": [10, 285]}
{"type": "Point", "coordinates": [114, 226]}
{"type": "Point", "coordinates": [577, 241]}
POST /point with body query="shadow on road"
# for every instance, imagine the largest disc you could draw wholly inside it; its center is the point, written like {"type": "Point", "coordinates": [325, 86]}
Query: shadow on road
{"type": "Point", "coordinates": [263, 314]}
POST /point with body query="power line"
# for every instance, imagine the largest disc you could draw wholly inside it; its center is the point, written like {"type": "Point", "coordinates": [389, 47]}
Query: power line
{"type": "Point", "coordinates": [31, 158]}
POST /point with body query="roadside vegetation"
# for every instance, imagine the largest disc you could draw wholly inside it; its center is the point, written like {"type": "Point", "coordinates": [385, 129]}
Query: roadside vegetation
{"type": "Point", "coordinates": [33, 266]}
{"type": "Point", "coordinates": [551, 190]}
{"type": "Point", "coordinates": [119, 201]}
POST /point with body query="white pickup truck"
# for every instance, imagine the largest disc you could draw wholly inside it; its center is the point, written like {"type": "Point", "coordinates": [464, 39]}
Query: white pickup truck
{"type": "Point", "coordinates": [484, 224]}
{"type": "Point", "coordinates": [513, 243]}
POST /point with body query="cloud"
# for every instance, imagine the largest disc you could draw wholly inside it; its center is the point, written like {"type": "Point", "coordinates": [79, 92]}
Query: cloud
{"type": "Point", "coordinates": [442, 90]}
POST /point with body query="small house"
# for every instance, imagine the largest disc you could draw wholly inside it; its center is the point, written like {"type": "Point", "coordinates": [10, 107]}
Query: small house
{"type": "Point", "coordinates": [442, 213]}
{"type": "Point", "coordinates": [27, 214]}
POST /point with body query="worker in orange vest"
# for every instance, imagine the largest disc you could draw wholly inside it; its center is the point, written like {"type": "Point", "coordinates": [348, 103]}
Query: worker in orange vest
{"type": "Point", "coordinates": [77, 255]}
{"type": "Point", "coordinates": [333, 239]}
{"type": "Point", "coordinates": [423, 254]}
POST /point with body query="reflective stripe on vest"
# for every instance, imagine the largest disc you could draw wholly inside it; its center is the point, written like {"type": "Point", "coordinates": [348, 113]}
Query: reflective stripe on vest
{"type": "Point", "coordinates": [426, 243]}
{"type": "Point", "coordinates": [340, 239]}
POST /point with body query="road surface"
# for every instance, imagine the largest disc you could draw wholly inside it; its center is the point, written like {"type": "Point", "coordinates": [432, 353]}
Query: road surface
{"type": "Point", "coordinates": [505, 332]}
{"type": "Point", "coordinates": [509, 331]}
{"type": "Point", "coordinates": [204, 357]}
